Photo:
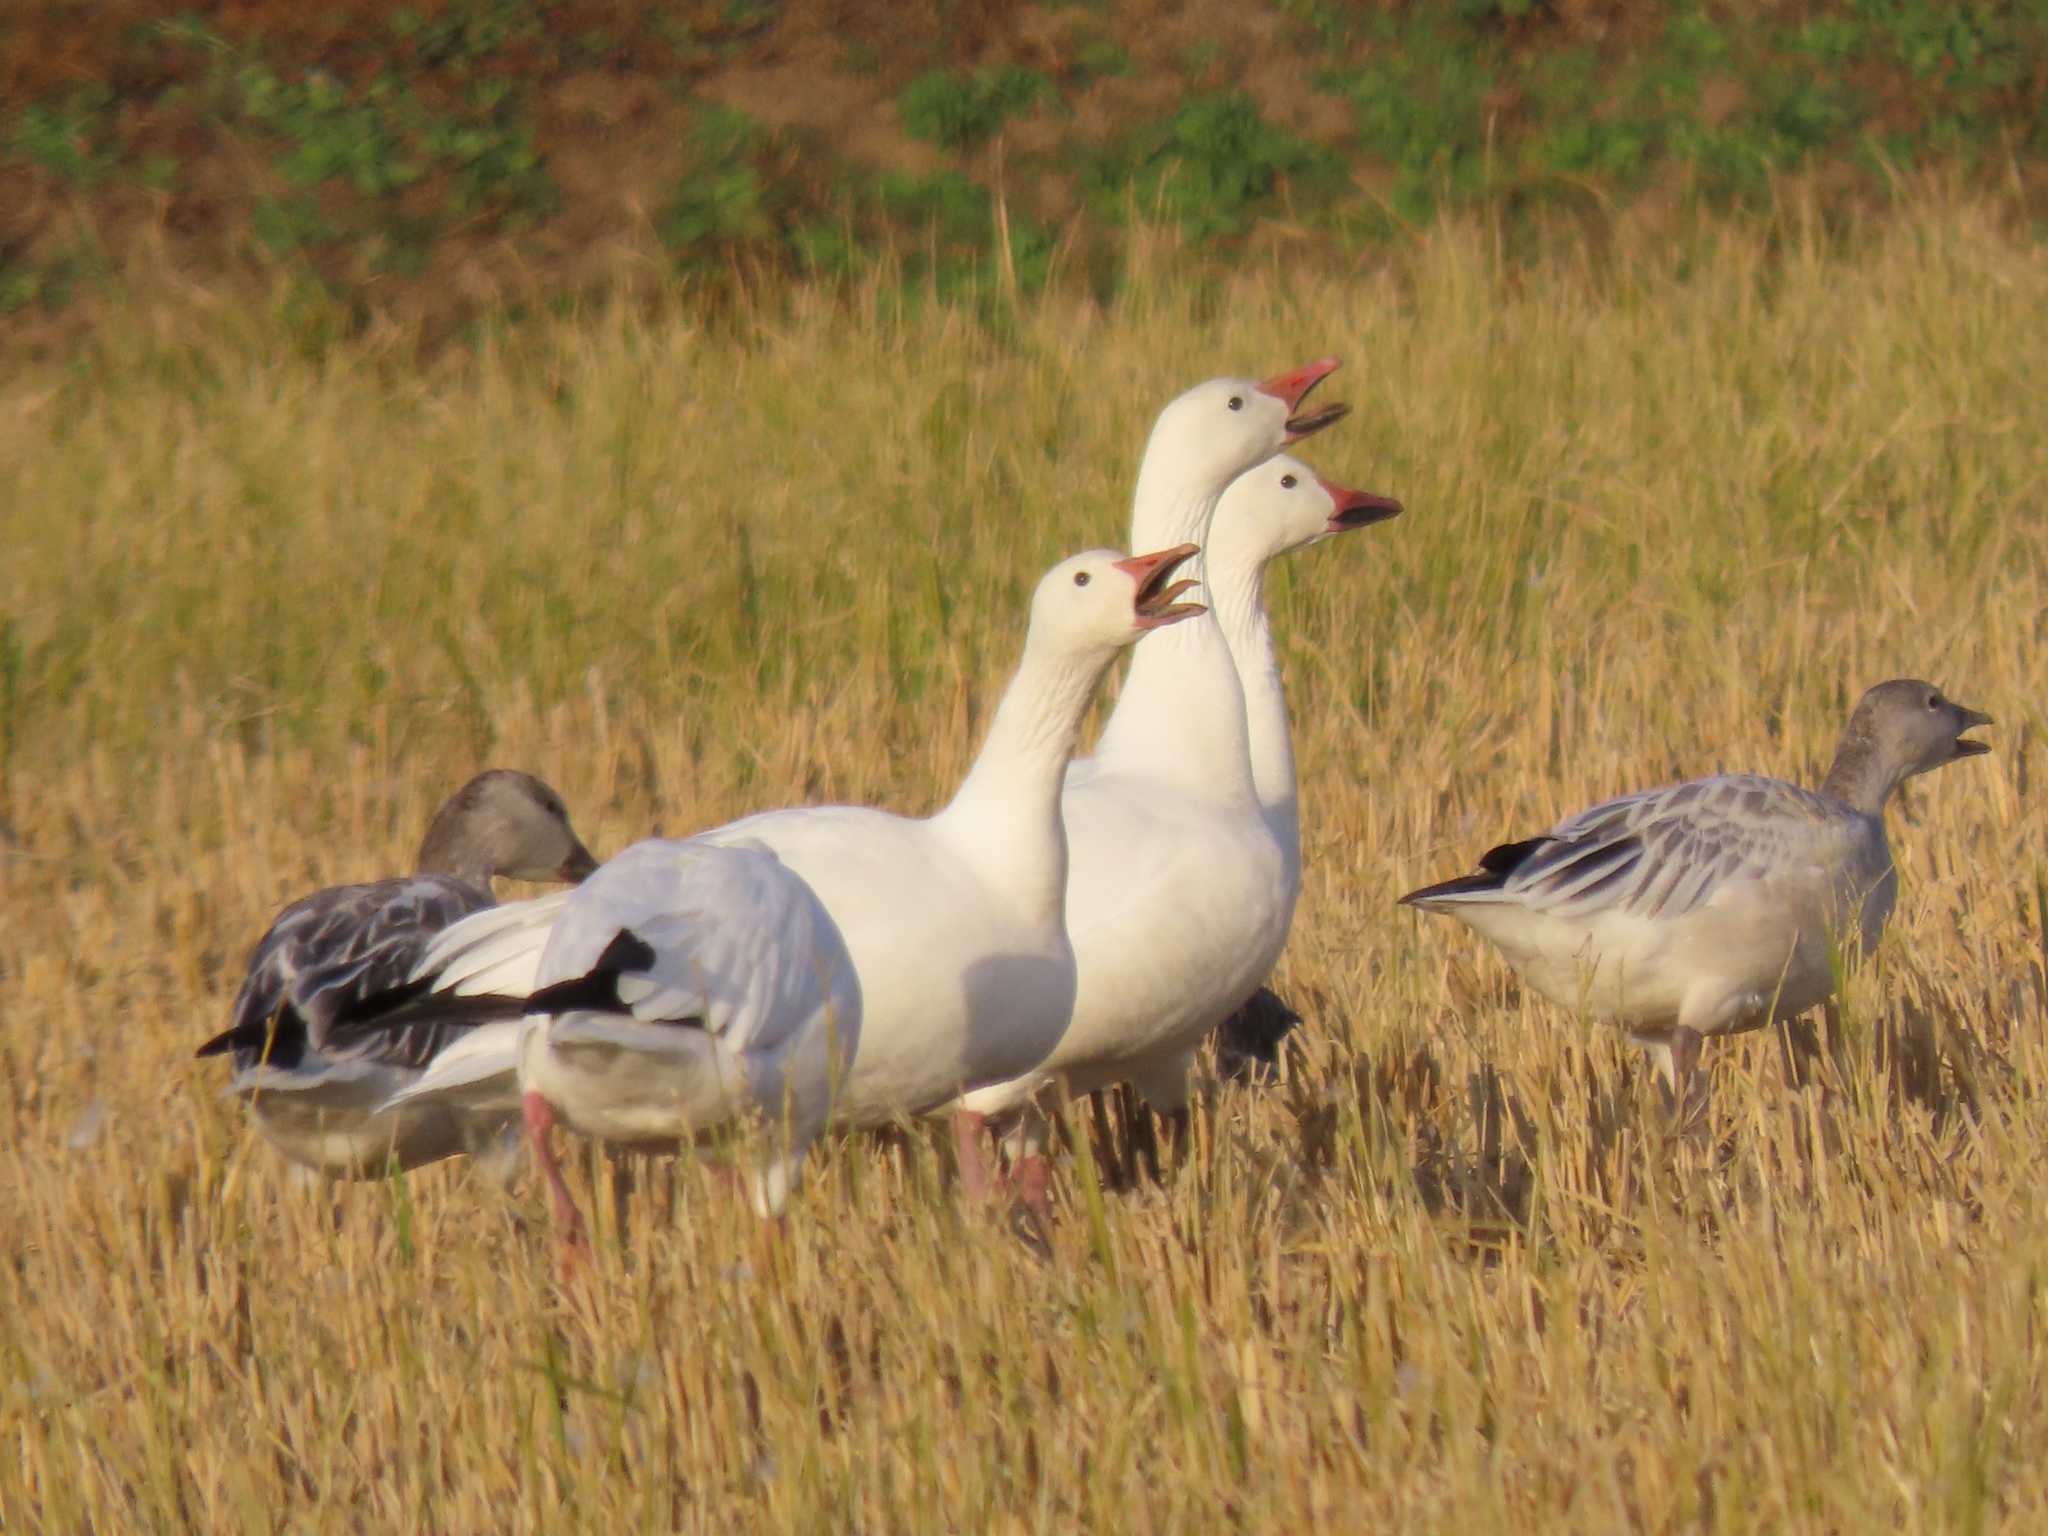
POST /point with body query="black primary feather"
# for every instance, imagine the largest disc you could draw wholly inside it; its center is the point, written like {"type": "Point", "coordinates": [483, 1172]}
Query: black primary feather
{"type": "Point", "coordinates": [1503, 859]}
{"type": "Point", "coordinates": [597, 989]}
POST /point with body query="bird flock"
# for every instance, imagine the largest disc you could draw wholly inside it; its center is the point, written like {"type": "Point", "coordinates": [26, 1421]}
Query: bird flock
{"type": "Point", "coordinates": [1063, 925]}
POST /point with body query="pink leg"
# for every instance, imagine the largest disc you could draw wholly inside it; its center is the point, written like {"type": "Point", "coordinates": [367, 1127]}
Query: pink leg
{"type": "Point", "coordinates": [1029, 1178]}
{"type": "Point", "coordinates": [540, 1125]}
{"type": "Point", "coordinates": [976, 1182]}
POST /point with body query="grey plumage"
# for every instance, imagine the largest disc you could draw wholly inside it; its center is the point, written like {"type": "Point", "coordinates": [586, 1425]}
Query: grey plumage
{"type": "Point", "coordinates": [1661, 853]}
{"type": "Point", "coordinates": [327, 952]}
{"type": "Point", "coordinates": [328, 957]}
{"type": "Point", "coordinates": [1710, 906]}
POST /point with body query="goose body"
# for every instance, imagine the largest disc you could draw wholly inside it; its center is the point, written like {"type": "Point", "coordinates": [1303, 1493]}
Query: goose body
{"type": "Point", "coordinates": [1278, 508]}
{"type": "Point", "coordinates": [1715, 905]}
{"type": "Point", "coordinates": [958, 983]}
{"type": "Point", "coordinates": [321, 1100]}
{"type": "Point", "coordinates": [687, 984]}
{"type": "Point", "coordinates": [1180, 894]}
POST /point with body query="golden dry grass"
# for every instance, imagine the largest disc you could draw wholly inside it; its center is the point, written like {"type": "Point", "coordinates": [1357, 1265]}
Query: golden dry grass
{"type": "Point", "coordinates": [1668, 513]}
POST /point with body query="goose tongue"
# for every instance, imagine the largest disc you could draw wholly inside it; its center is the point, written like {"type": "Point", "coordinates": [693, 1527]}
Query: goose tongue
{"type": "Point", "coordinates": [1290, 389]}
{"type": "Point", "coordinates": [1153, 606]}
{"type": "Point", "coordinates": [1357, 509]}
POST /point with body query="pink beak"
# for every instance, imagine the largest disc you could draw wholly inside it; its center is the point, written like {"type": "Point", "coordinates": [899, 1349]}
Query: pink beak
{"type": "Point", "coordinates": [1290, 389]}
{"type": "Point", "coordinates": [1153, 605]}
{"type": "Point", "coordinates": [1357, 509]}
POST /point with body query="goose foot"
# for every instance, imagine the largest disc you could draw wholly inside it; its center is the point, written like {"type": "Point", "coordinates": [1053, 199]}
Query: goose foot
{"type": "Point", "coordinates": [1676, 1053]}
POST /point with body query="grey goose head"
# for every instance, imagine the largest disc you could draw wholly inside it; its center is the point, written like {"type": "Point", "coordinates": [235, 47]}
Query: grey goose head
{"type": "Point", "coordinates": [1898, 729]}
{"type": "Point", "coordinates": [503, 822]}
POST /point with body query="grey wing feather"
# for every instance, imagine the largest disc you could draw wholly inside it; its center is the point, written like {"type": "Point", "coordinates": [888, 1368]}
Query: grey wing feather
{"type": "Point", "coordinates": [337, 947]}
{"type": "Point", "coordinates": [1662, 853]}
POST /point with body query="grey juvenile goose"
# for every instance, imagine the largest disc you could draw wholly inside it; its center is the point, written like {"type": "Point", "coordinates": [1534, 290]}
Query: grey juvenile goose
{"type": "Point", "coordinates": [1709, 907]}
{"type": "Point", "coordinates": [327, 953]}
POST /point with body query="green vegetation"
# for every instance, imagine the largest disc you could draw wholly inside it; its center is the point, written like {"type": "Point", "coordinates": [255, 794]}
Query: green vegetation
{"type": "Point", "coordinates": [962, 111]}
{"type": "Point", "coordinates": [378, 141]}
{"type": "Point", "coordinates": [389, 162]}
{"type": "Point", "coordinates": [940, 233]}
{"type": "Point", "coordinates": [1213, 165]}
{"type": "Point", "coordinates": [68, 136]}
{"type": "Point", "coordinates": [730, 201]}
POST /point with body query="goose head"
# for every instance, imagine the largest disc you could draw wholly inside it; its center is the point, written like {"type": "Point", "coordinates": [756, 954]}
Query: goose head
{"type": "Point", "coordinates": [1282, 505]}
{"type": "Point", "coordinates": [1898, 729]}
{"type": "Point", "coordinates": [1219, 429]}
{"type": "Point", "coordinates": [1100, 600]}
{"type": "Point", "coordinates": [503, 822]}
{"type": "Point", "coordinates": [1915, 728]}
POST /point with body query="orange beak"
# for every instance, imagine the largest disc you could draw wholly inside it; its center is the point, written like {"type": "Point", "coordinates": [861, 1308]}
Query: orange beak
{"type": "Point", "coordinates": [1290, 389]}
{"type": "Point", "coordinates": [1154, 605]}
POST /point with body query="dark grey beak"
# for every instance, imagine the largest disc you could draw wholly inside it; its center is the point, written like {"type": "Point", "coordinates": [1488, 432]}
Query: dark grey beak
{"type": "Point", "coordinates": [578, 867]}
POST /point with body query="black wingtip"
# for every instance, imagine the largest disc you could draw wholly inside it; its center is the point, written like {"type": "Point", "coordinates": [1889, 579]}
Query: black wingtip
{"type": "Point", "coordinates": [220, 1044]}
{"type": "Point", "coordinates": [411, 1022]}
{"type": "Point", "coordinates": [597, 989]}
{"type": "Point", "coordinates": [1464, 885]}
{"type": "Point", "coordinates": [1495, 865]}
{"type": "Point", "coordinates": [279, 1040]}
{"type": "Point", "coordinates": [626, 952]}
{"type": "Point", "coordinates": [1504, 859]}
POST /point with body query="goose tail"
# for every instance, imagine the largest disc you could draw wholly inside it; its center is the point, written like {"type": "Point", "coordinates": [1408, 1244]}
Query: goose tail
{"type": "Point", "coordinates": [1488, 884]}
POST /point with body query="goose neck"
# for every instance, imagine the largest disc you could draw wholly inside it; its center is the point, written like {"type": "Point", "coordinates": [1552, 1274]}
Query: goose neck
{"type": "Point", "coordinates": [1007, 811]}
{"type": "Point", "coordinates": [1180, 717]}
{"type": "Point", "coordinates": [1237, 595]}
{"type": "Point", "coordinates": [1862, 776]}
{"type": "Point", "coordinates": [447, 851]}
{"type": "Point", "coordinates": [1168, 511]}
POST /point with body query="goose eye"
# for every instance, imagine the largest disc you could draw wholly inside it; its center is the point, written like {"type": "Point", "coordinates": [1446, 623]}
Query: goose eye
{"type": "Point", "coordinates": [1080, 578]}
{"type": "Point", "coordinates": [1237, 402]}
{"type": "Point", "coordinates": [1288, 482]}
{"type": "Point", "coordinates": [1934, 701]}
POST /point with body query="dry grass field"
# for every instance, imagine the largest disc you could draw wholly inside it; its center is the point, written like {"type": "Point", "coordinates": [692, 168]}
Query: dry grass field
{"type": "Point", "coordinates": [1669, 511]}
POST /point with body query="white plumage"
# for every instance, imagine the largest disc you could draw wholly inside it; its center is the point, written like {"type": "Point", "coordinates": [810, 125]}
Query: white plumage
{"type": "Point", "coordinates": [955, 923]}
{"type": "Point", "coordinates": [718, 988]}
{"type": "Point", "coordinates": [1179, 896]}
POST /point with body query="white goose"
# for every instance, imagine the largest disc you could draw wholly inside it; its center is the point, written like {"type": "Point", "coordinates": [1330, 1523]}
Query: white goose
{"type": "Point", "coordinates": [320, 1099]}
{"type": "Point", "coordinates": [956, 923]}
{"type": "Point", "coordinates": [1276, 509]}
{"type": "Point", "coordinates": [1179, 895]}
{"type": "Point", "coordinates": [1711, 907]}
{"type": "Point", "coordinates": [687, 984]}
